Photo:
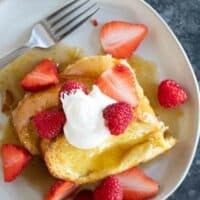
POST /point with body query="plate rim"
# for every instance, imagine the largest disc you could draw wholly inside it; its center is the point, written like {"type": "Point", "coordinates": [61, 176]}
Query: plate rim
{"type": "Point", "coordinates": [196, 89]}
{"type": "Point", "coordinates": [191, 159]}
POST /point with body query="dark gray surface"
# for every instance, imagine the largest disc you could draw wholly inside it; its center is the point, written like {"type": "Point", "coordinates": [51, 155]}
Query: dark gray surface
{"type": "Point", "coordinates": [183, 16]}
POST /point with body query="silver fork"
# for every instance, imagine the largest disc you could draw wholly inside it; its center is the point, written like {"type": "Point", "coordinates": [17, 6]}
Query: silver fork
{"type": "Point", "coordinates": [55, 27]}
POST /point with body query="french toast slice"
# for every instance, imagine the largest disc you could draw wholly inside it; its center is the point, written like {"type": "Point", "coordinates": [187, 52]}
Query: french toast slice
{"type": "Point", "coordinates": [143, 140]}
{"type": "Point", "coordinates": [26, 109]}
{"type": "Point", "coordinates": [84, 166]}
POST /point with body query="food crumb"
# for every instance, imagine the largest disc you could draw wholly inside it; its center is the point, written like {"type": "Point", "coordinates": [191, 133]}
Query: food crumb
{"type": "Point", "coordinates": [94, 22]}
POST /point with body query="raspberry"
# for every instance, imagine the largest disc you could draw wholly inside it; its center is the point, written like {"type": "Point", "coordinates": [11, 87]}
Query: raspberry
{"type": "Point", "coordinates": [109, 189]}
{"type": "Point", "coordinates": [117, 117]}
{"type": "Point", "coordinates": [84, 195]}
{"type": "Point", "coordinates": [49, 123]}
{"type": "Point", "coordinates": [71, 86]}
{"type": "Point", "coordinates": [171, 94]}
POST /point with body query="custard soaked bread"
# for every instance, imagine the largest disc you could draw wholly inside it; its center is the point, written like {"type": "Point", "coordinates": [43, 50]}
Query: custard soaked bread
{"type": "Point", "coordinates": [143, 140]}
{"type": "Point", "coordinates": [26, 109]}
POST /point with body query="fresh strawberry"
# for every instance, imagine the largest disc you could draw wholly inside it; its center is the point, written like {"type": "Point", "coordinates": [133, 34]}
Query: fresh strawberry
{"type": "Point", "coordinates": [84, 195]}
{"type": "Point", "coordinates": [136, 185]}
{"type": "Point", "coordinates": [120, 39]}
{"type": "Point", "coordinates": [71, 86]}
{"type": "Point", "coordinates": [171, 94]}
{"type": "Point", "coordinates": [109, 189]}
{"type": "Point", "coordinates": [117, 117]}
{"type": "Point", "coordinates": [118, 83]}
{"type": "Point", "coordinates": [44, 75]}
{"type": "Point", "coordinates": [15, 159]}
{"type": "Point", "coordinates": [60, 190]}
{"type": "Point", "coordinates": [49, 123]}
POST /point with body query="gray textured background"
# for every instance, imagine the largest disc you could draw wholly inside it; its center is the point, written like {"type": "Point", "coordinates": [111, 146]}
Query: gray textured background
{"type": "Point", "coordinates": [183, 16]}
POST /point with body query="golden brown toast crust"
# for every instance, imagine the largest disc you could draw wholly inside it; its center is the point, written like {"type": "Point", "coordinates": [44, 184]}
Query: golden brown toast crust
{"type": "Point", "coordinates": [26, 109]}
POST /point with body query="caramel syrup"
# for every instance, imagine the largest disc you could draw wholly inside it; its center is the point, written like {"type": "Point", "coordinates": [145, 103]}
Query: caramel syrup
{"type": "Point", "coordinates": [146, 72]}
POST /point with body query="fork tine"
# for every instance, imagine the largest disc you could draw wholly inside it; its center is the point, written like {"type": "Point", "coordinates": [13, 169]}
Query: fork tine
{"type": "Point", "coordinates": [67, 11]}
{"type": "Point", "coordinates": [71, 16]}
{"type": "Point", "coordinates": [76, 22]}
{"type": "Point", "coordinates": [69, 3]}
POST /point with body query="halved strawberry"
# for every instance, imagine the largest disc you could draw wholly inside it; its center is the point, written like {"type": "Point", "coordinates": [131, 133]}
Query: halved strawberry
{"type": "Point", "coordinates": [120, 39]}
{"type": "Point", "coordinates": [118, 83]}
{"type": "Point", "coordinates": [136, 185]}
{"type": "Point", "coordinates": [41, 77]}
{"type": "Point", "coordinates": [14, 159]}
{"type": "Point", "coordinates": [61, 189]}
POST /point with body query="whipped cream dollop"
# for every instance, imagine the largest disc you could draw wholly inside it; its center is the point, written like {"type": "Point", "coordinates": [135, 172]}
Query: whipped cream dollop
{"type": "Point", "coordinates": [85, 127]}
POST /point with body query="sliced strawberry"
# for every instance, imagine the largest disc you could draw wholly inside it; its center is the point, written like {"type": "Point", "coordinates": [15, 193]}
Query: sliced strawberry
{"type": "Point", "coordinates": [49, 123]}
{"type": "Point", "coordinates": [41, 77]}
{"type": "Point", "coordinates": [14, 159]}
{"type": "Point", "coordinates": [136, 185]}
{"type": "Point", "coordinates": [118, 83]}
{"type": "Point", "coordinates": [120, 39]}
{"type": "Point", "coordinates": [61, 189]}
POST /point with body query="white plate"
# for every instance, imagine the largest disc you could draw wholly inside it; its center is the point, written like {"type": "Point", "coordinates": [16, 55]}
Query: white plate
{"type": "Point", "coordinates": [161, 46]}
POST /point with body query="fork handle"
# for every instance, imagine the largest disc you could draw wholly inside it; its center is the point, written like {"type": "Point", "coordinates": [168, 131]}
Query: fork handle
{"type": "Point", "coordinates": [13, 55]}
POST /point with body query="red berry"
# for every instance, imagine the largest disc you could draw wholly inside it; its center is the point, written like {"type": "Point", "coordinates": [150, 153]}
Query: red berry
{"type": "Point", "coordinates": [43, 76]}
{"type": "Point", "coordinates": [171, 94]}
{"type": "Point", "coordinates": [71, 86]}
{"type": "Point", "coordinates": [61, 190]}
{"type": "Point", "coordinates": [118, 83]}
{"type": "Point", "coordinates": [84, 195]}
{"type": "Point", "coordinates": [121, 39]}
{"type": "Point", "coordinates": [49, 123]}
{"type": "Point", "coordinates": [136, 185]}
{"type": "Point", "coordinates": [15, 159]}
{"type": "Point", "coordinates": [109, 189]}
{"type": "Point", "coordinates": [117, 117]}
